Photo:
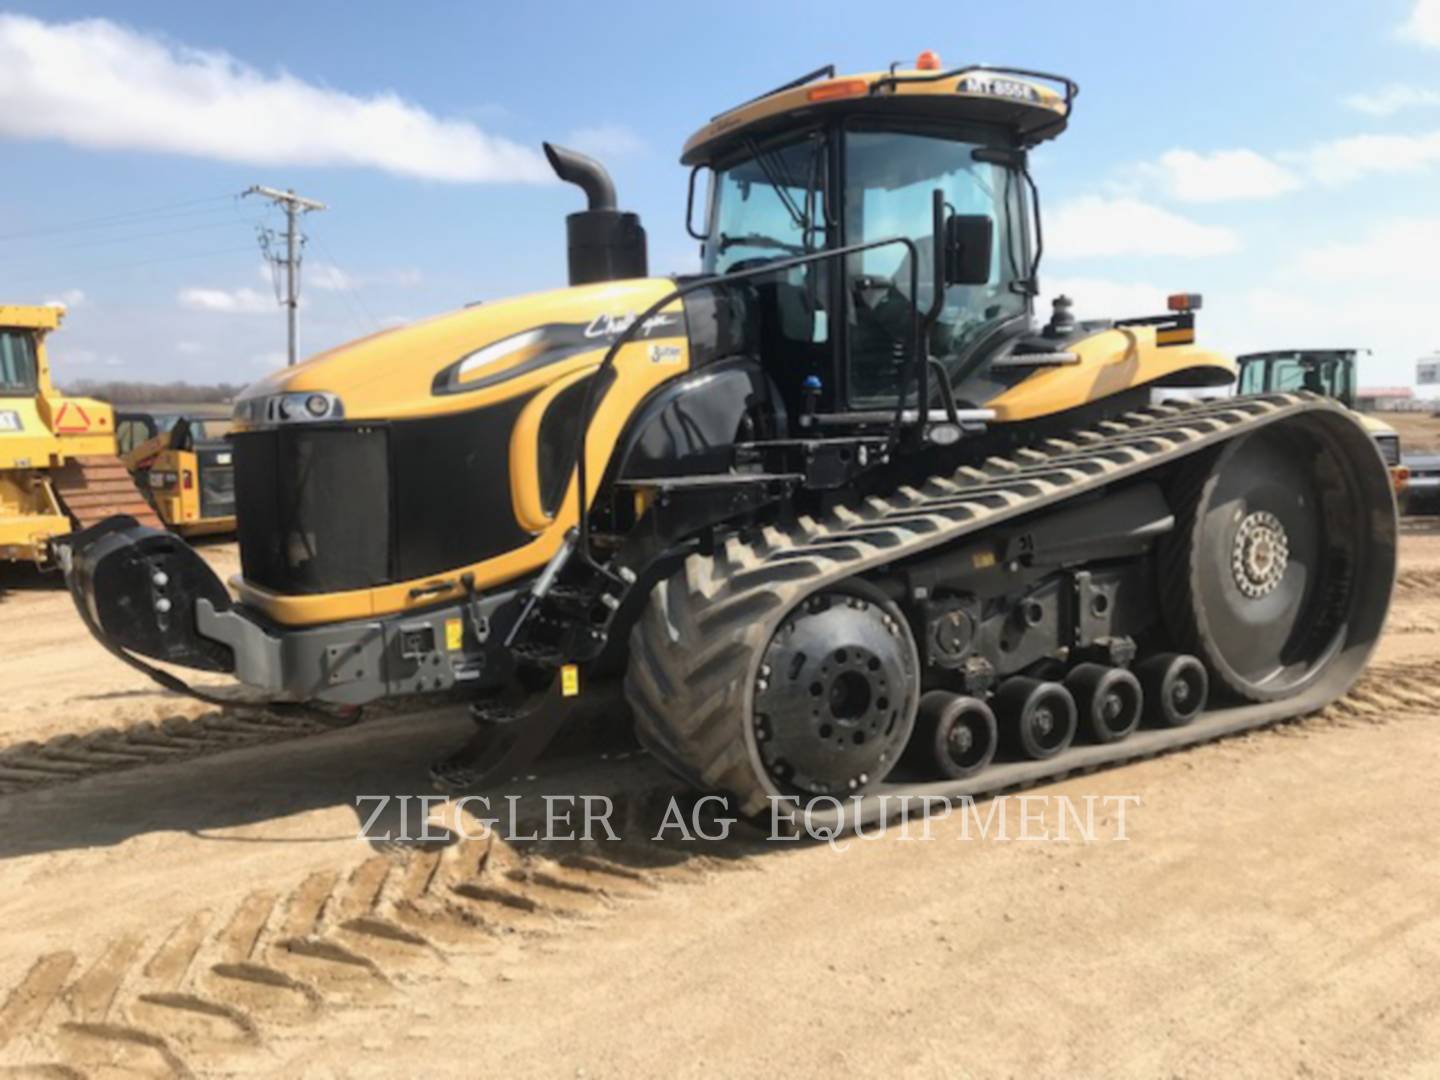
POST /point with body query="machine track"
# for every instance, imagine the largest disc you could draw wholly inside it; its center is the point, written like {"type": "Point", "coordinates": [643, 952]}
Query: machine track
{"type": "Point", "coordinates": [99, 486]}
{"type": "Point", "coordinates": [696, 651]}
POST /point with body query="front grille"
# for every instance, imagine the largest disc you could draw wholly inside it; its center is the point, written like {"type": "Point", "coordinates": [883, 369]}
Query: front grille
{"type": "Point", "coordinates": [313, 508]}
{"type": "Point", "coordinates": [217, 481]}
{"type": "Point", "coordinates": [1389, 448]}
{"type": "Point", "coordinates": [337, 507]}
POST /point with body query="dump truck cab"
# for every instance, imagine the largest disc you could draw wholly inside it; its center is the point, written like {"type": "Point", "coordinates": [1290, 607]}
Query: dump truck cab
{"type": "Point", "coordinates": [179, 454]}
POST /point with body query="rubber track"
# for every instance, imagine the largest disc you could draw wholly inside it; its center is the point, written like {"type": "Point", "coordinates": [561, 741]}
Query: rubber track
{"type": "Point", "coordinates": [207, 993]}
{"type": "Point", "coordinates": [697, 648]}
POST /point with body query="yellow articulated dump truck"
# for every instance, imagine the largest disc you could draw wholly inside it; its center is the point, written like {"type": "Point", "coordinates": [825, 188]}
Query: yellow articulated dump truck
{"type": "Point", "coordinates": [844, 516]}
{"type": "Point", "coordinates": [58, 466]}
{"type": "Point", "coordinates": [180, 456]}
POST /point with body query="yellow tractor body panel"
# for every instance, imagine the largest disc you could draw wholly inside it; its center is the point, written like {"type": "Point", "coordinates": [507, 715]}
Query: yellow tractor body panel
{"type": "Point", "coordinates": [1110, 362]}
{"type": "Point", "coordinates": [493, 354]}
{"type": "Point", "coordinates": [1373, 425]}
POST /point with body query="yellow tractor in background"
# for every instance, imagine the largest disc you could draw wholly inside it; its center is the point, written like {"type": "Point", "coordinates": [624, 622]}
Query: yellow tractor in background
{"type": "Point", "coordinates": [846, 517]}
{"type": "Point", "coordinates": [180, 457]}
{"type": "Point", "coordinates": [58, 466]}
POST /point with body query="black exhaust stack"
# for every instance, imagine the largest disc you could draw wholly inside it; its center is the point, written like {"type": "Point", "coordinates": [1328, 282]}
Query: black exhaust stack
{"type": "Point", "coordinates": [605, 244]}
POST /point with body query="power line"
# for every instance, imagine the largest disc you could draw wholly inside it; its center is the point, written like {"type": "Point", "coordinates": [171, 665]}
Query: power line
{"type": "Point", "coordinates": [109, 221]}
{"type": "Point", "coordinates": [357, 302]}
{"type": "Point", "coordinates": [61, 276]}
{"type": "Point", "coordinates": [126, 238]}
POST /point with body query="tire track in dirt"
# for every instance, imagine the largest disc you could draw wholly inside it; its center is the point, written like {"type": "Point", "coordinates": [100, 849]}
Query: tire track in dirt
{"type": "Point", "coordinates": [204, 994]}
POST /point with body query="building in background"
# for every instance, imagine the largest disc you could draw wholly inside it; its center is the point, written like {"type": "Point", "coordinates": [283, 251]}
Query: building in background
{"type": "Point", "coordinates": [1384, 398]}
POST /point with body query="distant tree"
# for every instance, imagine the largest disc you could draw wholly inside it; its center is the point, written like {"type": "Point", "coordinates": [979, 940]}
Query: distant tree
{"type": "Point", "coordinates": [121, 392]}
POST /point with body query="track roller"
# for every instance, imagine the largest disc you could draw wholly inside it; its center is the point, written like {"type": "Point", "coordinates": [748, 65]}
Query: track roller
{"type": "Point", "coordinates": [954, 734]}
{"type": "Point", "coordinates": [1109, 699]}
{"type": "Point", "coordinates": [1038, 718]}
{"type": "Point", "coordinates": [1176, 688]}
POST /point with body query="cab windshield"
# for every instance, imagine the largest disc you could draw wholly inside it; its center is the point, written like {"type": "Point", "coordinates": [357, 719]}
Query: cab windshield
{"type": "Point", "coordinates": [773, 204]}
{"type": "Point", "coordinates": [890, 180]}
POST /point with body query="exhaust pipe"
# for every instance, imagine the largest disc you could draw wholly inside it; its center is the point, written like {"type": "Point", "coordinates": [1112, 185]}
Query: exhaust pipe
{"type": "Point", "coordinates": [604, 244]}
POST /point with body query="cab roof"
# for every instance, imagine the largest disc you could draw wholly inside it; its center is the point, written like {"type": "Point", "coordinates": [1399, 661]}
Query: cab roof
{"type": "Point", "coordinates": [1035, 106]}
{"type": "Point", "coordinates": [19, 317]}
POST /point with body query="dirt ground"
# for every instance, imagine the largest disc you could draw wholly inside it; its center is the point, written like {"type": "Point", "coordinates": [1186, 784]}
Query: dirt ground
{"type": "Point", "coordinates": [184, 892]}
{"type": "Point", "coordinates": [1419, 431]}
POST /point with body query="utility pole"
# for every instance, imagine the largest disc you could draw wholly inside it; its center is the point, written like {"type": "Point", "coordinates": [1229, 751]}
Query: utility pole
{"type": "Point", "coordinates": [294, 206]}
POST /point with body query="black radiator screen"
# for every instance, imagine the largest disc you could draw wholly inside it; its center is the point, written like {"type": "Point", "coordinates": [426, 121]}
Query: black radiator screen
{"type": "Point", "coordinates": [313, 508]}
{"type": "Point", "coordinates": [328, 509]}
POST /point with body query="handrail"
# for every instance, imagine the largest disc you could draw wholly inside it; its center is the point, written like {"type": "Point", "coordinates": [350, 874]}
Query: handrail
{"type": "Point", "coordinates": [679, 293]}
{"type": "Point", "coordinates": [1072, 88]}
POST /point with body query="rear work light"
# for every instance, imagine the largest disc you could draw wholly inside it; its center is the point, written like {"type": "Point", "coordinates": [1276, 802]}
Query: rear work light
{"type": "Point", "coordinates": [1184, 301]}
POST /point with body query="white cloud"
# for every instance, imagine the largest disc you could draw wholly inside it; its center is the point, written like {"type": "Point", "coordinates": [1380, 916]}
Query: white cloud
{"type": "Point", "coordinates": [1423, 26]}
{"type": "Point", "coordinates": [229, 301]}
{"type": "Point", "coordinates": [1222, 175]}
{"type": "Point", "coordinates": [331, 278]}
{"type": "Point", "coordinates": [1098, 227]}
{"type": "Point", "coordinates": [68, 299]}
{"type": "Point", "coordinates": [1102, 298]}
{"type": "Point", "coordinates": [605, 141]}
{"type": "Point", "coordinates": [96, 84]}
{"type": "Point", "coordinates": [88, 358]}
{"type": "Point", "coordinates": [1392, 99]}
{"type": "Point", "coordinates": [327, 277]}
{"type": "Point", "coordinates": [191, 348]}
{"type": "Point", "coordinates": [1342, 161]}
{"type": "Point", "coordinates": [1397, 253]}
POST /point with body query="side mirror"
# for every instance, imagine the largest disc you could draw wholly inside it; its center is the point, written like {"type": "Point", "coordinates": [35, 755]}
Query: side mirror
{"type": "Point", "coordinates": [969, 248]}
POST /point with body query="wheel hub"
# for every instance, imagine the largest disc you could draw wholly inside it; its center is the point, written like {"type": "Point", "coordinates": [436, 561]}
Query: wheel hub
{"type": "Point", "coordinates": [832, 701]}
{"type": "Point", "coordinates": [1260, 554]}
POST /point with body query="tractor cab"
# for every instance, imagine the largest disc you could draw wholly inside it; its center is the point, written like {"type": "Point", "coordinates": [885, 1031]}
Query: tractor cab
{"type": "Point", "coordinates": [1321, 371]}
{"type": "Point", "coordinates": [848, 187]}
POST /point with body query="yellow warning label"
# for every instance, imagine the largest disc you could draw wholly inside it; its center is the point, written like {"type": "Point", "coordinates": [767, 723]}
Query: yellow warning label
{"type": "Point", "coordinates": [454, 635]}
{"type": "Point", "coordinates": [983, 559]}
{"type": "Point", "coordinates": [569, 680]}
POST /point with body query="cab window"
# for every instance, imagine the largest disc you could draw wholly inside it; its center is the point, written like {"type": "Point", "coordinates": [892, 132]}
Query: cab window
{"type": "Point", "coordinates": [17, 361]}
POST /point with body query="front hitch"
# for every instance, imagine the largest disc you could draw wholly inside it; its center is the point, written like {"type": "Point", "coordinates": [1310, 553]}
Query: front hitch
{"type": "Point", "coordinates": [136, 589]}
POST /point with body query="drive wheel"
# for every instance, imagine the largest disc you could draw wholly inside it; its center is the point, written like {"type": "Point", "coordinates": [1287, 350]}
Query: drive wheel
{"type": "Point", "coordinates": [835, 700]}
{"type": "Point", "coordinates": [1262, 569]}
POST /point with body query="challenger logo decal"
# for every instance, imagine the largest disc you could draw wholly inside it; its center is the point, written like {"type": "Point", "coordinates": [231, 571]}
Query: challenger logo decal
{"type": "Point", "coordinates": [541, 346]}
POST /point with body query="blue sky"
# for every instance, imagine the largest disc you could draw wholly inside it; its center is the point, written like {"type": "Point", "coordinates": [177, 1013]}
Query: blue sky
{"type": "Point", "coordinates": [1282, 158]}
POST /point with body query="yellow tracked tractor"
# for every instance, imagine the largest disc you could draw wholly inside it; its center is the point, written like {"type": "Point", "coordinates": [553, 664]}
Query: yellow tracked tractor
{"type": "Point", "coordinates": [58, 468]}
{"type": "Point", "coordinates": [845, 515]}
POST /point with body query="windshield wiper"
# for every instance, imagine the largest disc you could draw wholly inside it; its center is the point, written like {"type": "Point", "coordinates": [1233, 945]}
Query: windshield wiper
{"type": "Point", "coordinates": [756, 240]}
{"type": "Point", "coordinates": [776, 181]}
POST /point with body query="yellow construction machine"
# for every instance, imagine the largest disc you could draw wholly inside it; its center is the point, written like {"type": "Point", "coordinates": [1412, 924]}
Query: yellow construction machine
{"type": "Point", "coordinates": [848, 517]}
{"type": "Point", "coordinates": [58, 467]}
{"type": "Point", "coordinates": [180, 456]}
